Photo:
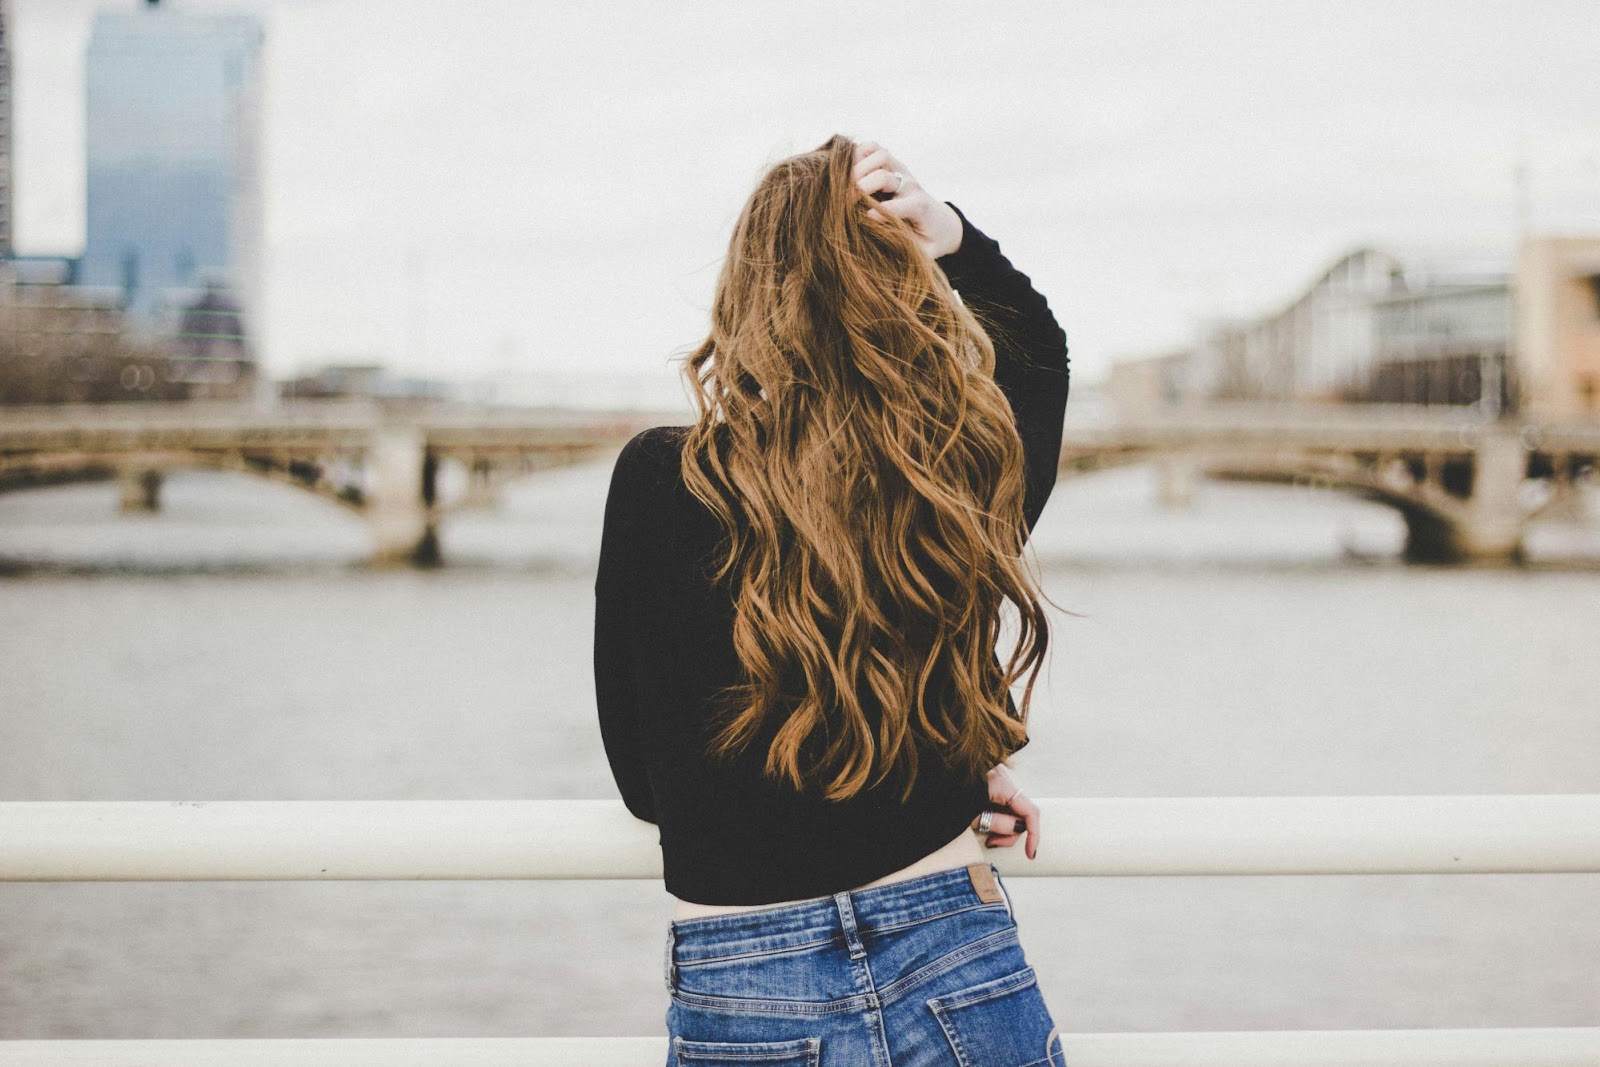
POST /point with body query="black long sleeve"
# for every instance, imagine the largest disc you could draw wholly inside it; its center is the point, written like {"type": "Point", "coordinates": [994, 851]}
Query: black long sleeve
{"type": "Point", "coordinates": [1031, 364]}
{"type": "Point", "coordinates": [616, 612]}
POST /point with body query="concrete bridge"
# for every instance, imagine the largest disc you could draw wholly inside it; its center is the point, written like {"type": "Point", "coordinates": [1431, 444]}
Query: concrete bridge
{"type": "Point", "coordinates": [1466, 489]}
{"type": "Point", "coordinates": [381, 460]}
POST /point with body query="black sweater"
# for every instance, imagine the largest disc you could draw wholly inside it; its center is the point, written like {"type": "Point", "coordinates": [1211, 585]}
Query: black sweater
{"type": "Point", "coordinates": [662, 645]}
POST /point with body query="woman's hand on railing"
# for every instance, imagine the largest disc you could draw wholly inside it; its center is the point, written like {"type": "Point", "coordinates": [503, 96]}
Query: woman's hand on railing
{"type": "Point", "coordinates": [1015, 814]}
{"type": "Point", "coordinates": [937, 226]}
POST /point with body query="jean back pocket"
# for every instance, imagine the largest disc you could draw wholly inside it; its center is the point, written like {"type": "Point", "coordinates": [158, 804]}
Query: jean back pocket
{"type": "Point", "coordinates": [1000, 1023]}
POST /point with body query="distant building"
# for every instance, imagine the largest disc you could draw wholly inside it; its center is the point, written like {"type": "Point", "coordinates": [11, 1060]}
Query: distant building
{"type": "Point", "coordinates": [210, 352]}
{"type": "Point", "coordinates": [366, 381]}
{"type": "Point", "coordinates": [1443, 344]}
{"type": "Point", "coordinates": [7, 238]}
{"type": "Point", "coordinates": [1558, 325]}
{"type": "Point", "coordinates": [61, 342]}
{"type": "Point", "coordinates": [1143, 386]}
{"type": "Point", "coordinates": [173, 107]}
{"type": "Point", "coordinates": [159, 305]}
{"type": "Point", "coordinates": [65, 342]}
{"type": "Point", "coordinates": [1382, 327]}
{"type": "Point", "coordinates": [42, 309]}
{"type": "Point", "coordinates": [1375, 326]}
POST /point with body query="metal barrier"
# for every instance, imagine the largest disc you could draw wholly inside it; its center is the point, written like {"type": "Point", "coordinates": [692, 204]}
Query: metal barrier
{"type": "Point", "coordinates": [524, 839]}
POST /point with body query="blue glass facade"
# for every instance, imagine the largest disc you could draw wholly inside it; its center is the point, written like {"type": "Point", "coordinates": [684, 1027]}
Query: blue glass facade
{"type": "Point", "coordinates": [173, 184]}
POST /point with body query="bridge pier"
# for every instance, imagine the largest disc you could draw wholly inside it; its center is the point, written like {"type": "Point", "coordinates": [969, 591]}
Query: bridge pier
{"type": "Point", "coordinates": [1431, 538]}
{"type": "Point", "coordinates": [140, 489]}
{"type": "Point", "coordinates": [1495, 518]}
{"type": "Point", "coordinates": [1175, 478]}
{"type": "Point", "coordinates": [398, 499]}
{"type": "Point", "coordinates": [1490, 525]}
{"type": "Point", "coordinates": [480, 491]}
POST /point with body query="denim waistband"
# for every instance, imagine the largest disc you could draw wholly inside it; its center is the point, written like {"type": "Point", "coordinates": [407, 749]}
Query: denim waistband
{"type": "Point", "coordinates": [849, 912]}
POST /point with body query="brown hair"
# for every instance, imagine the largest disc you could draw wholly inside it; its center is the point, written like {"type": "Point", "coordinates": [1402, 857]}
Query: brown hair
{"type": "Point", "coordinates": [870, 481]}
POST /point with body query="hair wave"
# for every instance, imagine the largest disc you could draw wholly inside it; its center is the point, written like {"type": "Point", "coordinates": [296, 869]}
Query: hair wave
{"type": "Point", "coordinates": [868, 475]}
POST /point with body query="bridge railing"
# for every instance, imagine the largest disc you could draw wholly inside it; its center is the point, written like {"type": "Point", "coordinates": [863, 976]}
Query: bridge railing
{"type": "Point", "coordinates": [532, 839]}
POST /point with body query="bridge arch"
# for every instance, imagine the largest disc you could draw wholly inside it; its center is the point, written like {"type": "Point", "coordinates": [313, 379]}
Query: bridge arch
{"type": "Point", "coordinates": [142, 475]}
{"type": "Point", "coordinates": [1459, 489]}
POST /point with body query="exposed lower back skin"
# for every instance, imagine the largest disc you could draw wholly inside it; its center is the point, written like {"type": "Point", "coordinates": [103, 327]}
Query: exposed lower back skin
{"type": "Point", "coordinates": [960, 851]}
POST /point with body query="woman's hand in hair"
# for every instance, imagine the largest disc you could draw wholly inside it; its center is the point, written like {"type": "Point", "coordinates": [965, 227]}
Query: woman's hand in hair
{"type": "Point", "coordinates": [937, 226]}
{"type": "Point", "coordinates": [1016, 814]}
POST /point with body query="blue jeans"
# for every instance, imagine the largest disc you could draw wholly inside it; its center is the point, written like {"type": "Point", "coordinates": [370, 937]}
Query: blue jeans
{"type": "Point", "coordinates": [912, 974]}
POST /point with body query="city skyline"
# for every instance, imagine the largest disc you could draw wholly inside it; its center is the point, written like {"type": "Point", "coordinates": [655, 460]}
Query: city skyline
{"type": "Point", "coordinates": [484, 192]}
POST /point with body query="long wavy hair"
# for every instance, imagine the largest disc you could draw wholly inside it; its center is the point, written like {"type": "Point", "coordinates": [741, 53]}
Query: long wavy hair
{"type": "Point", "coordinates": [869, 477]}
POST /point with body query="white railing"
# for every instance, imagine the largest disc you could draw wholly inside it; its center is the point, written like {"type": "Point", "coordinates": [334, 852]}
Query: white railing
{"type": "Point", "coordinates": [486, 839]}
{"type": "Point", "coordinates": [450, 839]}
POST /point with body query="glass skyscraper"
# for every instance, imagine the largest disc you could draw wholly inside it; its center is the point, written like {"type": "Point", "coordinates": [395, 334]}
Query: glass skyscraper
{"type": "Point", "coordinates": [5, 136]}
{"type": "Point", "coordinates": [174, 145]}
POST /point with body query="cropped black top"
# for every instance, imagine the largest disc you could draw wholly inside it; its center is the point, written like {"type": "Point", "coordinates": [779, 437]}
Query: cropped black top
{"type": "Point", "coordinates": [662, 645]}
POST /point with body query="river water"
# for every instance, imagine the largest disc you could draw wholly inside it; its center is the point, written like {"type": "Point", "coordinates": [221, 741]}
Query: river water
{"type": "Point", "coordinates": [1262, 641]}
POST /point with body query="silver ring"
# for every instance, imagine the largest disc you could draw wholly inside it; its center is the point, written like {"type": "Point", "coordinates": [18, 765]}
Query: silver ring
{"type": "Point", "coordinates": [902, 184]}
{"type": "Point", "coordinates": [985, 821]}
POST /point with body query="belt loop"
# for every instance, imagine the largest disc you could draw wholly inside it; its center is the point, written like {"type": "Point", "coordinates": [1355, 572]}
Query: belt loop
{"type": "Point", "coordinates": [669, 966]}
{"type": "Point", "coordinates": [847, 919]}
{"type": "Point", "coordinates": [1011, 911]}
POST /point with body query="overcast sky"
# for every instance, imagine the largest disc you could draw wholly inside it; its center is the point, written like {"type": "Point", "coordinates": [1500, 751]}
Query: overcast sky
{"type": "Point", "coordinates": [501, 185]}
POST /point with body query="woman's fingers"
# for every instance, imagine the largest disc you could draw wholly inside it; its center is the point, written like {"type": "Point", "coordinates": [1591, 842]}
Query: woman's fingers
{"type": "Point", "coordinates": [906, 202]}
{"type": "Point", "coordinates": [901, 208]}
{"type": "Point", "coordinates": [877, 171]}
{"type": "Point", "coordinates": [1005, 830]}
{"type": "Point", "coordinates": [1002, 825]}
{"type": "Point", "coordinates": [1001, 787]}
{"type": "Point", "coordinates": [1025, 807]}
{"type": "Point", "coordinates": [869, 157]}
{"type": "Point", "coordinates": [879, 168]}
{"type": "Point", "coordinates": [880, 181]}
{"type": "Point", "coordinates": [887, 180]}
{"type": "Point", "coordinates": [1015, 812]}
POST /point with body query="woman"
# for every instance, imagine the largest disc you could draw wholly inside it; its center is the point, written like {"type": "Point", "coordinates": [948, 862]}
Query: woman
{"type": "Point", "coordinates": [796, 611]}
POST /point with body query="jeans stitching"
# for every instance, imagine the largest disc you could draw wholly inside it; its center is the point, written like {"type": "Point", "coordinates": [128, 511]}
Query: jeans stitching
{"type": "Point", "coordinates": [995, 987]}
{"type": "Point", "coordinates": [872, 929]}
{"type": "Point", "coordinates": [810, 1047]}
{"type": "Point", "coordinates": [887, 927]}
{"type": "Point", "coordinates": [786, 950]}
{"type": "Point", "coordinates": [948, 961]}
{"type": "Point", "coordinates": [1050, 1053]}
{"type": "Point", "coordinates": [774, 1007]}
